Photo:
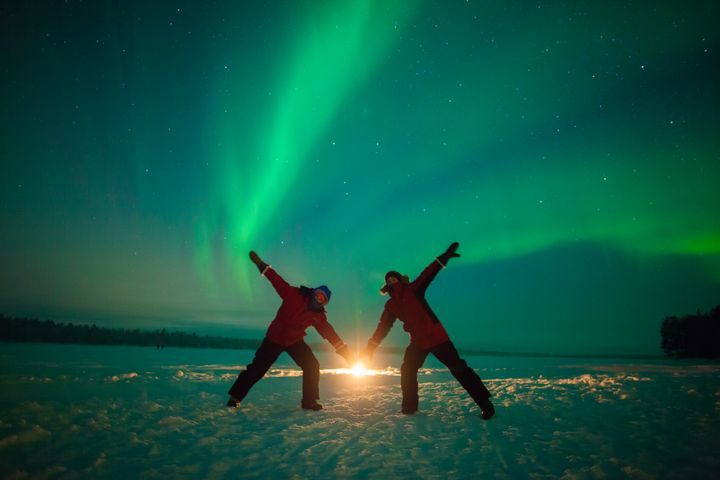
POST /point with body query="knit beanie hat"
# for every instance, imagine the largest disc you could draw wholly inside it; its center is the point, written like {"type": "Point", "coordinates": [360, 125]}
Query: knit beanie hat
{"type": "Point", "coordinates": [325, 290]}
{"type": "Point", "coordinates": [404, 279]}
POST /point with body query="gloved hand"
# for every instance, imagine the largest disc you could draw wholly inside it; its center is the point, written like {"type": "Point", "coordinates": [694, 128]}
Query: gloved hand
{"type": "Point", "coordinates": [367, 353]}
{"type": "Point", "coordinates": [449, 253]}
{"type": "Point", "coordinates": [344, 352]}
{"type": "Point", "coordinates": [257, 261]}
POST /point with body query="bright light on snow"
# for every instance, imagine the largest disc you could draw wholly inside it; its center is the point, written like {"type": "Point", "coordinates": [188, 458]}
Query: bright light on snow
{"type": "Point", "coordinates": [359, 370]}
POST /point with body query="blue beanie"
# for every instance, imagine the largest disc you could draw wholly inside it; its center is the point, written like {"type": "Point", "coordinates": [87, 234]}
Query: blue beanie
{"type": "Point", "coordinates": [326, 291]}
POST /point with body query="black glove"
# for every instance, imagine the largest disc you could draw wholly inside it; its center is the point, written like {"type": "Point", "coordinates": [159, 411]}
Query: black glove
{"type": "Point", "coordinates": [344, 352]}
{"type": "Point", "coordinates": [449, 253]}
{"type": "Point", "coordinates": [259, 263]}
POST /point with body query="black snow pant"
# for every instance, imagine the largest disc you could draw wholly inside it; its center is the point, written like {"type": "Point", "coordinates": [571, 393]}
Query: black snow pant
{"type": "Point", "coordinates": [448, 355]}
{"type": "Point", "coordinates": [266, 355]}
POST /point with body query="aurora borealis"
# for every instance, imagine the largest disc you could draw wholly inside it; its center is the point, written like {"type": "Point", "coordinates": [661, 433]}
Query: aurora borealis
{"type": "Point", "coordinates": [571, 149]}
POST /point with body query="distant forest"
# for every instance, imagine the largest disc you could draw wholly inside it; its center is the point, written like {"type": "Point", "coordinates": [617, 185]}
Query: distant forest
{"type": "Point", "coordinates": [47, 331]}
{"type": "Point", "coordinates": [695, 335]}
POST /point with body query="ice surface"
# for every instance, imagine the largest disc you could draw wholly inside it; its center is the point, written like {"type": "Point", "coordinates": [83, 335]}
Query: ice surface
{"type": "Point", "coordinates": [113, 412]}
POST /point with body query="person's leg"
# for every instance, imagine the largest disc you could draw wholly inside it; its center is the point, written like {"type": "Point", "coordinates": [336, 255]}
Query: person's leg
{"type": "Point", "coordinates": [448, 355]}
{"type": "Point", "coordinates": [301, 353]}
{"type": "Point", "coordinates": [412, 361]}
{"type": "Point", "coordinates": [265, 356]}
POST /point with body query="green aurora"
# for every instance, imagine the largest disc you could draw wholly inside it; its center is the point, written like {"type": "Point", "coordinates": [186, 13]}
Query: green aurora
{"type": "Point", "coordinates": [570, 149]}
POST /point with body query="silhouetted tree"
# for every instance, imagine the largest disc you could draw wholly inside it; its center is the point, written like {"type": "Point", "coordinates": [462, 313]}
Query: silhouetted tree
{"type": "Point", "coordinates": [696, 335]}
{"type": "Point", "coordinates": [34, 330]}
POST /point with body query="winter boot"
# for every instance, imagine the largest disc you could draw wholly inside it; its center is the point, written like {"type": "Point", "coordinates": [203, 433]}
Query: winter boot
{"type": "Point", "coordinates": [488, 410]}
{"type": "Point", "coordinates": [311, 405]}
{"type": "Point", "coordinates": [409, 409]}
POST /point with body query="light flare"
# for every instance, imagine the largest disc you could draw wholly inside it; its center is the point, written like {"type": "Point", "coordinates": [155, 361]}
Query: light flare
{"type": "Point", "coordinates": [359, 370]}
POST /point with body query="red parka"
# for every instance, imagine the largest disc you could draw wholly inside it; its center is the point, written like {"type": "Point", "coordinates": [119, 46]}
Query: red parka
{"type": "Point", "coordinates": [412, 309]}
{"type": "Point", "coordinates": [294, 315]}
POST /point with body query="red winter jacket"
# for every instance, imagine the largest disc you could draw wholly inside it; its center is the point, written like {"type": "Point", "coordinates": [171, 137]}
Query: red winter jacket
{"type": "Point", "coordinates": [413, 310]}
{"type": "Point", "coordinates": [294, 316]}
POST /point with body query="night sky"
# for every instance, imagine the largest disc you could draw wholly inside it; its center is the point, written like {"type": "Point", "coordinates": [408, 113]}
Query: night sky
{"type": "Point", "coordinates": [571, 148]}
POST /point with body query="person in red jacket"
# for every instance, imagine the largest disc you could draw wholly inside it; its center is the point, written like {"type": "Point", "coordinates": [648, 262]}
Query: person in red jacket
{"type": "Point", "coordinates": [427, 335]}
{"type": "Point", "coordinates": [301, 307]}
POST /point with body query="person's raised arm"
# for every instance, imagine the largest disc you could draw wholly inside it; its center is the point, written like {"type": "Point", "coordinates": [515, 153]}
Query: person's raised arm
{"type": "Point", "coordinates": [440, 262]}
{"type": "Point", "coordinates": [387, 319]}
{"type": "Point", "coordinates": [280, 285]}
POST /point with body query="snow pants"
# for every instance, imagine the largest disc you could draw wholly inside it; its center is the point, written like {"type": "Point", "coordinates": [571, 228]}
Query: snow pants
{"type": "Point", "coordinates": [266, 355]}
{"type": "Point", "coordinates": [448, 355]}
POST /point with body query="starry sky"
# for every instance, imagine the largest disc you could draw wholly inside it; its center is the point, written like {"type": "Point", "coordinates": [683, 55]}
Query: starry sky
{"type": "Point", "coordinates": [570, 147]}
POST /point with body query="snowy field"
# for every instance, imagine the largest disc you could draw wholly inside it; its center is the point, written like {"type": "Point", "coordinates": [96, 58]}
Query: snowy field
{"type": "Point", "coordinates": [132, 412]}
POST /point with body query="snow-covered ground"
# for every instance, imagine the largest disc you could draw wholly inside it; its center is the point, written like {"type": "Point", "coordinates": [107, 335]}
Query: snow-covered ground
{"type": "Point", "coordinates": [131, 412]}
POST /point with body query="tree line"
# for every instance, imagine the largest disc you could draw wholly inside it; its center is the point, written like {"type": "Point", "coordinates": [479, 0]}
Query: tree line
{"type": "Point", "coordinates": [27, 330]}
{"type": "Point", "coordinates": [696, 335]}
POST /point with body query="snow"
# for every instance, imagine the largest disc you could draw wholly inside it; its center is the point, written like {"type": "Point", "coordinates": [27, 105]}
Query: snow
{"type": "Point", "coordinates": [109, 412]}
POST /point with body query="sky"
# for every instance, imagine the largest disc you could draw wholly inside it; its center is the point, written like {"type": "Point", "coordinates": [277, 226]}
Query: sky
{"type": "Point", "coordinates": [569, 147]}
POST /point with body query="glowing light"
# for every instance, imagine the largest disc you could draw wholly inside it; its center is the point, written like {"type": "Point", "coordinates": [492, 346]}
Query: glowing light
{"type": "Point", "coordinates": [359, 370]}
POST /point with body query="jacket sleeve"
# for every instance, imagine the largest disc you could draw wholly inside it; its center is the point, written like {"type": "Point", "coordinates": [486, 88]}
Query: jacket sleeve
{"type": "Point", "coordinates": [327, 331]}
{"type": "Point", "coordinates": [423, 280]}
{"type": "Point", "coordinates": [387, 319]}
{"type": "Point", "coordinates": [281, 286]}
